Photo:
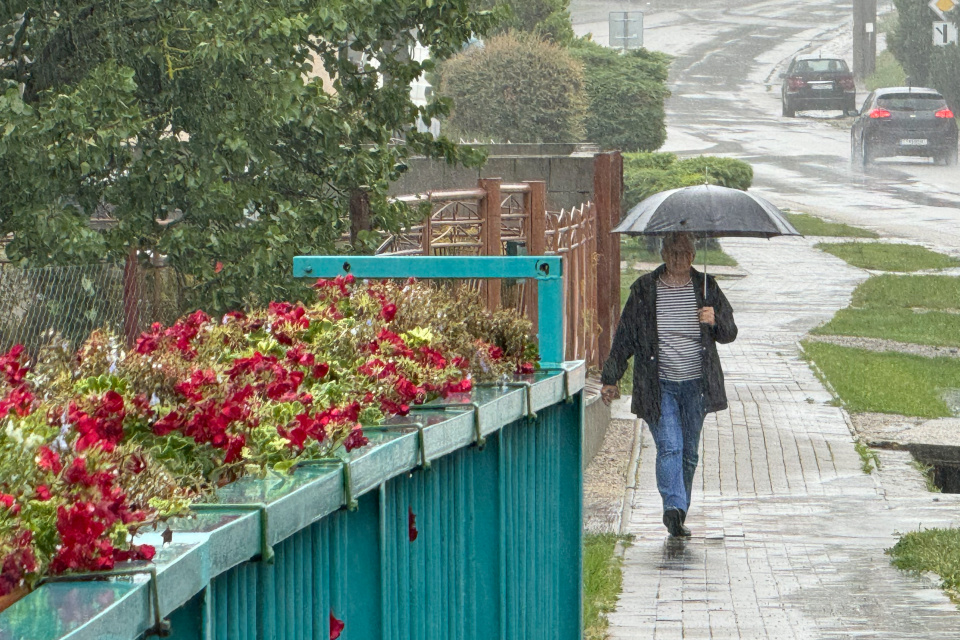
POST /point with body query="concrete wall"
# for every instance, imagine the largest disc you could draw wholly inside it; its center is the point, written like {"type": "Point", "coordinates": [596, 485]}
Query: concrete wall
{"type": "Point", "coordinates": [566, 168]}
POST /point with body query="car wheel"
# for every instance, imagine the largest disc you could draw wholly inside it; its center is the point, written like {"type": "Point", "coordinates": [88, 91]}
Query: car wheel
{"type": "Point", "coordinates": [856, 155]}
{"type": "Point", "coordinates": [788, 109]}
{"type": "Point", "coordinates": [850, 109]}
{"type": "Point", "coordinates": [868, 154]}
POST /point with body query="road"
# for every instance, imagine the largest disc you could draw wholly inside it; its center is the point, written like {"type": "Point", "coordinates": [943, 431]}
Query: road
{"type": "Point", "coordinates": [726, 101]}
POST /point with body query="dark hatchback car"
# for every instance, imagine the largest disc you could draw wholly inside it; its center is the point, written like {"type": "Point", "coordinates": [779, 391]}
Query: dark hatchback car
{"type": "Point", "coordinates": [816, 83]}
{"type": "Point", "coordinates": [904, 121]}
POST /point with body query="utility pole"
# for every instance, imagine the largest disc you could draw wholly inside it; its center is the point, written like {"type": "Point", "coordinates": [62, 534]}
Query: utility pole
{"type": "Point", "coordinates": [864, 37]}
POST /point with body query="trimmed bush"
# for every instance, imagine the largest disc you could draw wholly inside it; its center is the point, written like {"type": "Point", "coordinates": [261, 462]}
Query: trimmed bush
{"type": "Point", "coordinates": [626, 92]}
{"type": "Point", "coordinates": [516, 88]}
{"type": "Point", "coordinates": [645, 174]}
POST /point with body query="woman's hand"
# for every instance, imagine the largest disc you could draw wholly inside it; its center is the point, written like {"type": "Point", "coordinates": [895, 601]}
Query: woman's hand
{"type": "Point", "coordinates": [609, 393]}
{"type": "Point", "coordinates": [706, 316]}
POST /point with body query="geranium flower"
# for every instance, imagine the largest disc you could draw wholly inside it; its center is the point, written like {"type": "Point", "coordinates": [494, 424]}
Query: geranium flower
{"type": "Point", "coordinates": [356, 439]}
{"type": "Point", "coordinates": [48, 460]}
{"type": "Point", "coordinates": [412, 524]}
{"type": "Point", "coordinates": [336, 626]}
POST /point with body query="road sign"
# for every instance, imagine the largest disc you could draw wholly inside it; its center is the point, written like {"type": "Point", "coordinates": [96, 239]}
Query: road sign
{"type": "Point", "coordinates": [942, 6]}
{"type": "Point", "coordinates": [944, 33]}
{"type": "Point", "coordinates": [626, 29]}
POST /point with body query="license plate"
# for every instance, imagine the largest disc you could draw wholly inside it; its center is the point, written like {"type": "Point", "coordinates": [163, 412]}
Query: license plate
{"type": "Point", "coordinates": [822, 87]}
{"type": "Point", "coordinates": [913, 142]}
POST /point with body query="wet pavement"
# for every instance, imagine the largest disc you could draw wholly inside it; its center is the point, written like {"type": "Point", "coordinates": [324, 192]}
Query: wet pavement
{"type": "Point", "coordinates": [788, 532]}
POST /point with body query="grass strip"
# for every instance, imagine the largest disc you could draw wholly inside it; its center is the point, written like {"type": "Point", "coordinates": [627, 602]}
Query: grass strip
{"type": "Point", "coordinates": [881, 256]}
{"type": "Point", "coordinates": [887, 382]}
{"type": "Point", "coordinates": [889, 291]}
{"type": "Point", "coordinates": [936, 550]}
{"type": "Point", "coordinates": [934, 328]}
{"type": "Point", "coordinates": [639, 250]}
{"type": "Point", "coordinates": [602, 581]}
{"type": "Point", "coordinates": [813, 226]}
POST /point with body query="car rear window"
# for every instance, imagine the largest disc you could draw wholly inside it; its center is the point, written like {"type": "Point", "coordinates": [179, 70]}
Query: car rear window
{"type": "Point", "coordinates": [819, 66]}
{"type": "Point", "coordinates": [911, 101]}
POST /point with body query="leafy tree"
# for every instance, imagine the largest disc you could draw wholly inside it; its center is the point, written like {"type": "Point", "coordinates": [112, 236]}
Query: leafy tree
{"type": "Point", "coordinates": [911, 40]}
{"type": "Point", "coordinates": [549, 19]}
{"type": "Point", "coordinates": [207, 116]}
{"type": "Point", "coordinates": [626, 92]}
{"type": "Point", "coordinates": [515, 88]}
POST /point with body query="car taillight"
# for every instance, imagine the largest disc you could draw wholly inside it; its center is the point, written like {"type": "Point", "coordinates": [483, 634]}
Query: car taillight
{"type": "Point", "coordinates": [848, 84]}
{"type": "Point", "coordinates": [796, 83]}
{"type": "Point", "coordinates": [879, 113]}
{"type": "Point", "coordinates": [944, 113]}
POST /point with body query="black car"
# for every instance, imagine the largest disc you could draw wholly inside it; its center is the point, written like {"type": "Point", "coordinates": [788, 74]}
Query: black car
{"type": "Point", "coordinates": [904, 121]}
{"type": "Point", "coordinates": [813, 82]}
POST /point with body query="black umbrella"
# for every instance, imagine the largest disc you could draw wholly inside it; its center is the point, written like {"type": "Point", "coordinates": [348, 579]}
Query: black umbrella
{"type": "Point", "coordinates": [707, 211]}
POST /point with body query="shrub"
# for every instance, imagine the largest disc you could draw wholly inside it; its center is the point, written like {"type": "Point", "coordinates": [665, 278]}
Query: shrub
{"type": "Point", "coordinates": [516, 88]}
{"type": "Point", "coordinates": [626, 92]}
{"type": "Point", "coordinates": [945, 74]}
{"type": "Point", "coordinates": [645, 174]}
{"type": "Point", "coordinates": [910, 39]}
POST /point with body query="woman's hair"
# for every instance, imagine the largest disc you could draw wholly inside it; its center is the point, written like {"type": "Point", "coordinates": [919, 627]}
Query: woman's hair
{"type": "Point", "coordinates": [678, 239]}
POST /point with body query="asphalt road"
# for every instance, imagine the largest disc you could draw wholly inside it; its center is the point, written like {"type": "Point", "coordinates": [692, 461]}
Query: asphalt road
{"type": "Point", "coordinates": [726, 101]}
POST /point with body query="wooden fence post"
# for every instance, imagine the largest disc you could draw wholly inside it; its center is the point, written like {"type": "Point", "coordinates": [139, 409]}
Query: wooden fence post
{"type": "Point", "coordinates": [606, 316]}
{"type": "Point", "coordinates": [616, 191]}
{"type": "Point", "coordinates": [360, 219]}
{"type": "Point", "coordinates": [535, 203]}
{"type": "Point", "coordinates": [490, 232]}
{"type": "Point", "coordinates": [131, 299]}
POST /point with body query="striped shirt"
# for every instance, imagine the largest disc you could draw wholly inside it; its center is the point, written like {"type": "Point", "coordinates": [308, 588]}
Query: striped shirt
{"type": "Point", "coordinates": [678, 330]}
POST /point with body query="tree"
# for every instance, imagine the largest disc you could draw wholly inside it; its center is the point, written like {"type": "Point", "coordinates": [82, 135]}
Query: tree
{"type": "Point", "coordinates": [911, 41]}
{"type": "Point", "coordinates": [626, 92]}
{"type": "Point", "coordinates": [549, 19]}
{"type": "Point", "coordinates": [515, 88]}
{"type": "Point", "coordinates": [201, 127]}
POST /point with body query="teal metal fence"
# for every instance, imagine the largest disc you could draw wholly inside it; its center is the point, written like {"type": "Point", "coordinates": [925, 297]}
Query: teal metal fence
{"type": "Point", "coordinates": [458, 522]}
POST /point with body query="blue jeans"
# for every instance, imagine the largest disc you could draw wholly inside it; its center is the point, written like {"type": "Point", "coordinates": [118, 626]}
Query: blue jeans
{"type": "Point", "coordinates": [677, 436]}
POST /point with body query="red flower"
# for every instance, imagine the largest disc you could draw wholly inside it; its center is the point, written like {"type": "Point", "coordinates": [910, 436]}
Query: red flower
{"type": "Point", "coordinates": [336, 626]}
{"type": "Point", "coordinates": [388, 311]}
{"type": "Point", "coordinates": [43, 493]}
{"type": "Point", "coordinates": [356, 439]}
{"type": "Point", "coordinates": [495, 352]}
{"type": "Point", "coordinates": [48, 460]}
{"type": "Point", "coordinates": [77, 472]}
{"type": "Point", "coordinates": [146, 552]}
{"type": "Point", "coordinates": [217, 268]}
{"type": "Point", "coordinates": [320, 371]}
{"type": "Point", "coordinates": [525, 368]}
{"type": "Point", "coordinates": [412, 524]}
{"type": "Point", "coordinates": [7, 500]}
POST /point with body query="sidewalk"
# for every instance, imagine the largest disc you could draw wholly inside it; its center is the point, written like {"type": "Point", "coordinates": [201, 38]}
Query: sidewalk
{"type": "Point", "coordinates": [788, 532]}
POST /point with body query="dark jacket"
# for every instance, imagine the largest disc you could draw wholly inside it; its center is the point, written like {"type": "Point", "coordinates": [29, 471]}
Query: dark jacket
{"type": "Point", "coordinates": [637, 336]}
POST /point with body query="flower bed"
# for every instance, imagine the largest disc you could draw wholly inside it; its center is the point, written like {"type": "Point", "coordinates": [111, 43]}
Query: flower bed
{"type": "Point", "coordinates": [97, 444]}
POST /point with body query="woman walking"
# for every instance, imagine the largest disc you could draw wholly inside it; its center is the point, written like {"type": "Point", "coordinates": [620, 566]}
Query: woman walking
{"type": "Point", "coordinates": [671, 329]}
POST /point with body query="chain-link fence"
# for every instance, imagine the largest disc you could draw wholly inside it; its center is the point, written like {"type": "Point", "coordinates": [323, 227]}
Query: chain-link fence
{"type": "Point", "coordinates": [38, 306]}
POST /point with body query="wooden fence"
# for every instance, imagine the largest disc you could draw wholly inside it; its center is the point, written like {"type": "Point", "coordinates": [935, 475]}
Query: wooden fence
{"type": "Point", "coordinates": [496, 218]}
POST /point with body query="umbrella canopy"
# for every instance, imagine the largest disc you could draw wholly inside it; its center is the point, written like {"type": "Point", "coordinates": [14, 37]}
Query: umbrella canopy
{"type": "Point", "coordinates": [706, 210]}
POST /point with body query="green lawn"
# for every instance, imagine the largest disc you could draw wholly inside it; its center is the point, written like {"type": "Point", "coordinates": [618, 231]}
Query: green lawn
{"type": "Point", "coordinates": [887, 382]}
{"type": "Point", "coordinates": [639, 250]}
{"type": "Point", "coordinates": [887, 73]}
{"type": "Point", "coordinates": [890, 291]}
{"type": "Point", "coordinates": [813, 226]}
{"type": "Point", "coordinates": [888, 257]}
{"type": "Point", "coordinates": [903, 325]}
{"type": "Point", "coordinates": [936, 550]}
{"type": "Point", "coordinates": [602, 580]}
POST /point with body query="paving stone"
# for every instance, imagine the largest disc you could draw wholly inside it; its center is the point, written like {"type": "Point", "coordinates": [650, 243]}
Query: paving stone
{"type": "Point", "coordinates": [788, 532]}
